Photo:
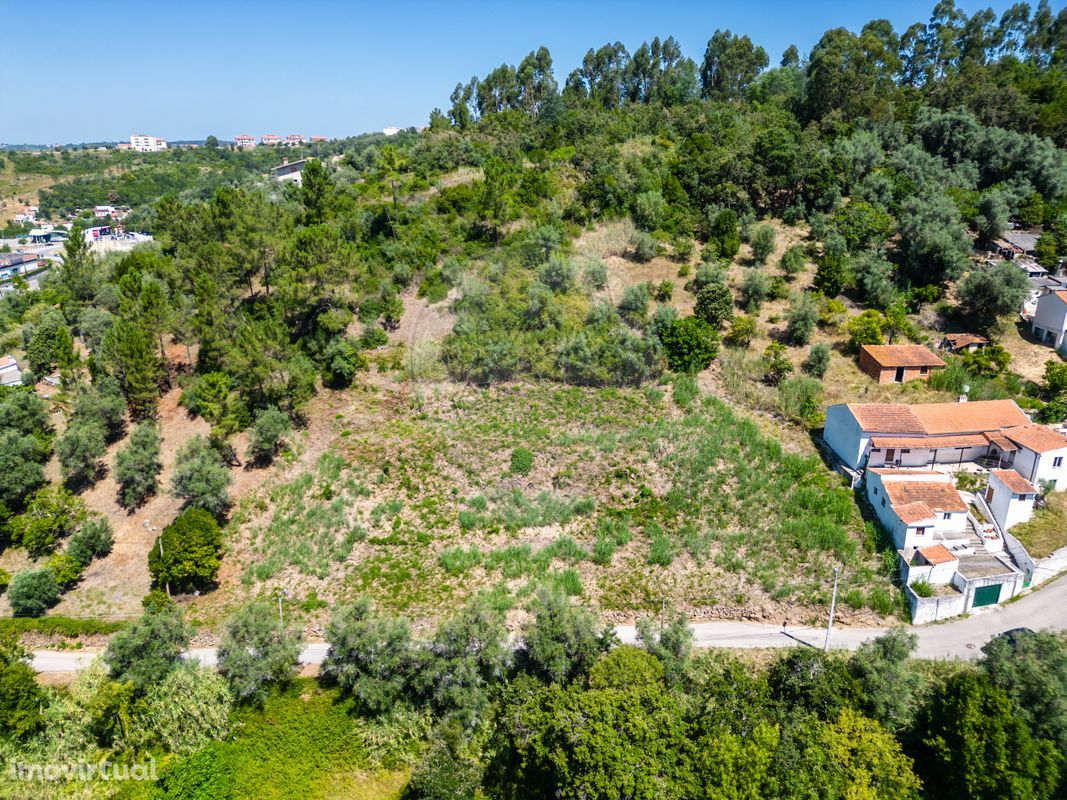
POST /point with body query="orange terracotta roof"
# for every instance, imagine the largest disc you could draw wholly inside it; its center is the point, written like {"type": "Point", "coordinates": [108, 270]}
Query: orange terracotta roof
{"type": "Point", "coordinates": [1002, 442]}
{"type": "Point", "coordinates": [956, 340]}
{"type": "Point", "coordinates": [910, 513]}
{"type": "Point", "coordinates": [1038, 438]}
{"type": "Point", "coordinates": [1014, 481]}
{"type": "Point", "coordinates": [902, 355]}
{"type": "Point", "coordinates": [939, 496]}
{"type": "Point", "coordinates": [889, 417]}
{"type": "Point", "coordinates": [937, 554]}
{"type": "Point", "coordinates": [1062, 295]}
{"type": "Point", "coordinates": [977, 416]}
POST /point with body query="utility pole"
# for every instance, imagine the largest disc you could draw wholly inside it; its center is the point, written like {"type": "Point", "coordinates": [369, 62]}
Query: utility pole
{"type": "Point", "coordinates": [281, 619]}
{"type": "Point", "coordinates": [833, 604]}
{"type": "Point", "coordinates": [161, 564]}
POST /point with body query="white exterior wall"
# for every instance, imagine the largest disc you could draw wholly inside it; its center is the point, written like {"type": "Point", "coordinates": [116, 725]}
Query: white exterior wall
{"type": "Point", "coordinates": [1008, 507]}
{"type": "Point", "coordinates": [907, 536]}
{"type": "Point", "coordinates": [932, 609]}
{"type": "Point", "coordinates": [1047, 472]}
{"type": "Point", "coordinates": [1049, 315]}
{"type": "Point", "coordinates": [842, 432]}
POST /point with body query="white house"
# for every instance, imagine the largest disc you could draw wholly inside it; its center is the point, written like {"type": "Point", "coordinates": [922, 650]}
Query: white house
{"type": "Point", "coordinates": [1050, 318]}
{"type": "Point", "coordinates": [918, 507]}
{"type": "Point", "coordinates": [244, 141]}
{"type": "Point", "coordinates": [1010, 497]}
{"type": "Point", "coordinates": [269, 139]}
{"type": "Point", "coordinates": [994, 432]}
{"type": "Point", "coordinates": [10, 374]}
{"type": "Point", "coordinates": [147, 144]}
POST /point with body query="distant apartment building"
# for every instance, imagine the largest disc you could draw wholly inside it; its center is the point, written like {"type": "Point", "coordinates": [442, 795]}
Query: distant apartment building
{"type": "Point", "coordinates": [295, 139]}
{"type": "Point", "coordinates": [244, 141]}
{"type": "Point", "coordinates": [147, 144]}
{"type": "Point", "coordinates": [318, 139]}
{"type": "Point", "coordinates": [392, 130]}
{"type": "Point", "coordinates": [269, 139]}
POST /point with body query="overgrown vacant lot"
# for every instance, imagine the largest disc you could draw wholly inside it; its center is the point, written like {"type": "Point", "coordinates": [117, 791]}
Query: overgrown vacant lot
{"type": "Point", "coordinates": [629, 500]}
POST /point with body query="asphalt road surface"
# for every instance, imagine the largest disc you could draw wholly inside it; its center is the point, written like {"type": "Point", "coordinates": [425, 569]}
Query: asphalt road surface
{"type": "Point", "coordinates": [961, 638]}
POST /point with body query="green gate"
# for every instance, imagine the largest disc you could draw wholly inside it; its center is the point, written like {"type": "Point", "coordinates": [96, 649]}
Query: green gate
{"type": "Point", "coordinates": [986, 595]}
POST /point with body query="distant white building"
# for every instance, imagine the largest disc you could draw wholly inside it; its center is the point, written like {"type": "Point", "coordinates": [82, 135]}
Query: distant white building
{"type": "Point", "coordinates": [295, 139]}
{"type": "Point", "coordinates": [147, 144]}
{"type": "Point", "coordinates": [1050, 319]}
{"type": "Point", "coordinates": [1010, 497]}
{"type": "Point", "coordinates": [269, 139]}
{"type": "Point", "coordinates": [244, 141]}
{"type": "Point", "coordinates": [289, 171]}
{"type": "Point", "coordinates": [392, 130]}
{"type": "Point", "coordinates": [10, 374]}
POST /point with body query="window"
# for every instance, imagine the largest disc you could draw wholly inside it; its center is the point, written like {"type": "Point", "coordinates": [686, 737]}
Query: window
{"type": "Point", "coordinates": [1057, 461]}
{"type": "Point", "coordinates": [905, 450]}
{"type": "Point", "coordinates": [875, 491]}
{"type": "Point", "coordinates": [883, 502]}
{"type": "Point", "coordinates": [923, 370]}
{"type": "Point", "coordinates": [946, 515]}
{"type": "Point", "coordinates": [920, 531]}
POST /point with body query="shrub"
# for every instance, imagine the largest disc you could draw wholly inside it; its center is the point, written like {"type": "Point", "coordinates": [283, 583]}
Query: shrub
{"type": "Point", "coordinates": [188, 710]}
{"type": "Point", "coordinates": [634, 304]}
{"type": "Point", "coordinates": [563, 641]}
{"type": "Point", "coordinates": [691, 344]}
{"type": "Point", "coordinates": [33, 592]}
{"type": "Point", "coordinates": [521, 461]}
{"type": "Point", "coordinates": [596, 275]}
{"type": "Point", "coordinates": [792, 260]}
{"type": "Point", "coordinates": [5, 580]}
{"type": "Point", "coordinates": [865, 328]}
{"type": "Point", "coordinates": [52, 514]}
{"type": "Point", "coordinates": [922, 588]}
{"type": "Point", "coordinates": [558, 274]}
{"type": "Point", "coordinates": [341, 361]}
{"type": "Point", "coordinates": [137, 465]}
{"type": "Point", "coordinates": [776, 365]}
{"type": "Point", "coordinates": [146, 652]}
{"type": "Point", "coordinates": [21, 700]}
{"type": "Point", "coordinates": [190, 551]}
{"type": "Point", "coordinates": [645, 248]}
{"type": "Point", "coordinates": [200, 477]}
{"type": "Point", "coordinates": [267, 434]}
{"type": "Point", "coordinates": [801, 318]}
{"type": "Point", "coordinates": [754, 289]}
{"type": "Point", "coordinates": [373, 337]}
{"type": "Point", "coordinates": [714, 305]}
{"type": "Point", "coordinates": [92, 540]}
{"type": "Point", "coordinates": [818, 360]}
{"type": "Point", "coordinates": [723, 239]}
{"type": "Point", "coordinates": [742, 330]}
{"type": "Point", "coordinates": [763, 238]}
{"type": "Point", "coordinates": [66, 568]}
{"type": "Point", "coordinates": [663, 291]}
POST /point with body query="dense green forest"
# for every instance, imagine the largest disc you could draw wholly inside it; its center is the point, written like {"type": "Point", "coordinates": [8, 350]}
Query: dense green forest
{"type": "Point", "coordinates": [889, 156]}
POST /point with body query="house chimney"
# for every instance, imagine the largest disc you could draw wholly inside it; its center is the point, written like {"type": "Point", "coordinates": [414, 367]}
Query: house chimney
{"type": "Point", "coordinates": [285, 160]}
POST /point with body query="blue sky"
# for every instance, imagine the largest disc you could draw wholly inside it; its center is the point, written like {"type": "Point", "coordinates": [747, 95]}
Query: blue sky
{"type": "Point", "coordinates": [187, 69]}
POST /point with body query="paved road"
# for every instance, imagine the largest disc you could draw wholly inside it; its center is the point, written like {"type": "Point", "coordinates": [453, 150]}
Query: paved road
{"type": "Point", "coordinates": [962, 638]}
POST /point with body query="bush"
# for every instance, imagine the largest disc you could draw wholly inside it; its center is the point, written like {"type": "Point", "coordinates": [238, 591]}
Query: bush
{"type": "Point", "coordinates": [341, 361]}
{"type": "Point", "coordinates": [52, 514]}
{"type": "Point", "coordinates": [776, 365]}
{"type": "Point", "coordinates": [818, 360]}
{"type": "Point", "coordinates": [691, 345]}
{"type": "Point", "coordinates": [801, 318]}
{"type": "Point", "coordinates": [800, 400]}
{"type": "Point", "coordinates": [715, 305]}
{"type": "Point", "coordinates": [373, 337]}
{"type": "Point", "coordinates": [5, 580]}
{"type": "Point", "coordinates": [922, 588]}
{"type": "Point", "coordinates": [188, 710]}
{"type": "Point", "coordinates": [200, 477]}
{"type": "Point", "coordinates": [663, 291]}
{"type": "Point", "coordinates": [267, 434]}
{"type": "Point", "coordinates": [763, 238]}
{"type": "Point", "coordinates": [723, 239]}
{"type": "Point", "coordinates": [742, 330]}
{"type": "Point", "coordinates": [92, 540]}
{"type": "Point", "coordinates": [191, 548]}
{"type": "Point", "coordinates": [146, 652]}
{"type": "Point", "coordinates": [21, 700]}
{"type": "Point", "coordinates": [66, 568]}
{"type": "Point", "coordinates": [754, 290]}
{"type": "Point", "coordinates": [521, 461]}
{"type": "Point", "coordinates": [634, 304]}
{"type": "Point", "coordinates": [137, 466]}
{"type": "Point", "coordinates": [645, 248]}
{"type": "Point", "coordinates": [792, 260]}
{"type": "Point", "coordinates": [33, 592]}
{"type": "Point", "coordinates": [558, 274]}
{"type": "Point", "coordinates": [865, 328]}
{"type": "Point", "coordinates": [596, 275]}
{"type": "Point", "coordinates": [255, 651]}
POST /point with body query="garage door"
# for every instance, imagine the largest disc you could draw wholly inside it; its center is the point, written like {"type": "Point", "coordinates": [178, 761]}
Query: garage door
{"type": "Point", "coordinates": [986, 595]}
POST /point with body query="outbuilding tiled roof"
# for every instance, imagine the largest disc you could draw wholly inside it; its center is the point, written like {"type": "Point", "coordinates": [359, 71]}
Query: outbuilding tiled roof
{"type": "Point", "coordinates": [937, 554]}
{"type": "Point", "coordinates": [1014, 481]}
{"type": "Point", "coordinates": [902, 355]}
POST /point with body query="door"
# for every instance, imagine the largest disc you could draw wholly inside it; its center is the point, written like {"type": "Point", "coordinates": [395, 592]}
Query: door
{"type": "Point", "coordinates": [986, 595]}
{"type": "Point", "coordinates": [900, 375]}
{"type": "Point", "coordinates": [890, 454]}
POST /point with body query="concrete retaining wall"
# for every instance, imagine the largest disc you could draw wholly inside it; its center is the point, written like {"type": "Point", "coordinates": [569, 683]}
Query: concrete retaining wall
{"type": "Point", "coordinates": [932, 609]}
